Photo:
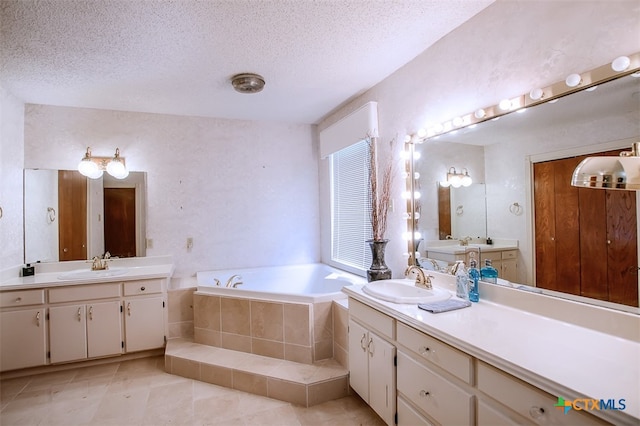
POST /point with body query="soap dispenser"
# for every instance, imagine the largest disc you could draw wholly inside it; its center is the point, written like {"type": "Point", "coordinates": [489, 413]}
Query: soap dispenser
{"type": "Point", "coordinates": [488, 273]}
{"type": "Point", "coordinates": [462, 279]}
{"type": "Point", "coordinates": [474, 277]}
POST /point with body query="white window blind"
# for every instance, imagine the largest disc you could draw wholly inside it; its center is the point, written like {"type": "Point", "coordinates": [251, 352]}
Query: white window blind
{"type": "Point", "coordinates": [350, 207]}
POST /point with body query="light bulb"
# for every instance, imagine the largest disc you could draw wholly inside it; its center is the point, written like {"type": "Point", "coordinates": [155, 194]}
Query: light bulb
{"type": "Point", "coordinates": [416, 155]}
{"type": "Point", "coordinates": [480, 113]}
{"type": "Point", "coordinates": [573, 80]}
{"type": "Point", "coordinates": [466, 180]}
{"type": "Point", "coordinates": [592, 88]}
{"type": "Point", "coordinates": [407, 138]}
{"type": "Point", "coordinates": [406, 216]}
{"type": "Point", "coordinates": [620, 63]}
{"type": "Point", "coordinates": [422, 133]}
{"type": "Point", "coordinates": [416, 195]}
{"type": "Point", "coordinates": [536, 94]}
{"type": "Point", "coordinates": [416, 175]}
{"type": "Point", "coordinates": [458, 121]}
{"type": "Point", "coordinates": [87, 167]}
{"type": "Point", "coordinates": [438, 128]}
{"type": "Point", "coordinates": [445, 183]}
{"type": "Point", "coordinates": [416, 215]}
{"type": "Point", "coordinates": [505, 104]}
{"type": "Point", "coordinates": [455, 181]}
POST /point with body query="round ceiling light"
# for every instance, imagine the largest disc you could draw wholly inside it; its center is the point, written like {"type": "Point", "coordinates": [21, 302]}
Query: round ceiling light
{"type": "Point", "coordinates": [247, 83]}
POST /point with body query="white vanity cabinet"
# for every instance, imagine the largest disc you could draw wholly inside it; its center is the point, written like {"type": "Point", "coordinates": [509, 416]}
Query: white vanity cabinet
{"type": "Point", "coordinates": [514, 399]}
{"type": "Point", "coordinates": [89, 328]}
{"type": "Point", "coordinates": [23, 336]}
{"type": "Point", "coordinates": [144, 315]}
{"type": "Point", "coordinates": [435, 378]}
{"type": "Point", "coordinates": [506, 262]}
{"type": "Point", "coordinates": [372, 359]}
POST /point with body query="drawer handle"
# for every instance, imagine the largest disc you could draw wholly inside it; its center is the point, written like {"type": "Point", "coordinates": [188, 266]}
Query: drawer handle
{"type": "Point", "coordinates": [370, 346]}
{"type": "Point", "coordinates": [425, 394]}
{"type": "Point", "coordinates": [142, 289]}
{"type": "Point", "coordinates": [129, 309]}
{"type": "Point", "coordinates": [425, 350]}
{"type": "Point", "coordinates": [91, 313]}
{"type": "Point", "coordinates": [79, 315]}
{"type": "Point", "coordinates": [362, 344]}
{"type": "Point", "coordinates": [536, 412]}
{"type": "Point", "coordinates": [18, 299]}
{"type": "Point", "coordinates": [38, 319]}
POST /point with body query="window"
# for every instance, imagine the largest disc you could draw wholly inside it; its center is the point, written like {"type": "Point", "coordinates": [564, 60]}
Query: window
{"type": "Point", "coordinates": [350, 208]}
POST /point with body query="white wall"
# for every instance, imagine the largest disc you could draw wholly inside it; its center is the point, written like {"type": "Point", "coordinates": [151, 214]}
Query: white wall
{"type": "Point", "coordinates": [505, 50]}
{"type": "Point", "coordinates": [11, 160]}
{"type": "Point", "coordinates": [246, 191]}
{"type": "Point", "coordinates": [41, 236]}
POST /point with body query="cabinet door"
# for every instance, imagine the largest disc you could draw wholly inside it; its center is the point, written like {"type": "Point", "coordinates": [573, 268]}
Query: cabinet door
{"type": "Point", "coordinates": [144, 323]}
{"type": "Point", "coordinates": [22, 339]}
{"type": "Point", "coordinates": [104, 329]}
{"type": "Point", "coordinates": [358, 360]}
{"type": "Point", "coordinates": [67, 333]}
{"type": "Point", "coordinates": [382, 378]}
{"type": "Point", "coordinates": [509, 269]}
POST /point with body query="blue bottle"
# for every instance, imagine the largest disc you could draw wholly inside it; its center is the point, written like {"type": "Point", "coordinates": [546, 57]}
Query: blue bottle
{"type": "Point", "coordinates": [462, 281]}
{"type": "Point", "coordinates": [488, 273]}
{"type": "Point", "coordinates": [474, 277]}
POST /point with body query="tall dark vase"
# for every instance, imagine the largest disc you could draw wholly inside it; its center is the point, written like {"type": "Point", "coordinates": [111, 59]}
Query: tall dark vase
{"type": "Point", "coordinates": [378, 269]}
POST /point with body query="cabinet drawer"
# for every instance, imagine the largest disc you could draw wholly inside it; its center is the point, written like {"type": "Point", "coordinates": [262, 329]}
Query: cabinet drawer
{"type": "Point", "coordinates": [407, 416]}
{"type": "Point", "coordinates": [372, 318]}
{"type": "Point", "coordinates": [134, 288]}
{"type": "Point", "coordinates": [433, 394]}
{"type": "Point", "coordinates": [85, 292]}
{"type": "Point", "coordinates": [493, 256]}
{"type": "Point", "coordinates": [9, 299]}
{"type": "Point", "coordinates": [530, 402]}
{"type": "Point", "coordinates": [433, 350]}
{"type": "Point", "coordinates": [510, 254]}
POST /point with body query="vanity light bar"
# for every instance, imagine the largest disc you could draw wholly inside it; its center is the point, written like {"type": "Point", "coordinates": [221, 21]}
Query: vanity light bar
{"type": "Point", "coordinates": [536, 96]}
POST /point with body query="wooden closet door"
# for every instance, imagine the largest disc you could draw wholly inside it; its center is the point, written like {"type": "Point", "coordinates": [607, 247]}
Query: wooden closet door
{"type": "Point", "coordinates": [545, 225]}
{"type": "Point", "coordinates": [72, 215]}
{"type": "Point", "coordinates": [567, 218]}
{"type": "Point", "coordinates": [622, 247]}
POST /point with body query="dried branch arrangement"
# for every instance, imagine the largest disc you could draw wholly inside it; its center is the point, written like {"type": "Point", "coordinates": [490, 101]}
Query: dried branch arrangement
{"type": "Point", "coordinates": [379, 192]}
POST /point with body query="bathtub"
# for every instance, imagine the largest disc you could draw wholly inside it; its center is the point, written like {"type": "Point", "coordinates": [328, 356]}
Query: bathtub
{"type": "Point", "coordinates": [309, 283]}
{"type": "Point", "coordinates": [283, 312]}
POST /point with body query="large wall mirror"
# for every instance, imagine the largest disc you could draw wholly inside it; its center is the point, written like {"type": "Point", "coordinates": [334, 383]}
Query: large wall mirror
{"type": "Point", "coordinates": [501, 154]}
{"type": "Point", "coordinates": [68, 216]}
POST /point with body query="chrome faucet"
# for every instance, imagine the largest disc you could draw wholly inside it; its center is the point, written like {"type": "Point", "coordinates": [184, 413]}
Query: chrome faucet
{"type": "Point", "coordinates": [422, 280]}
{"type": "Point", "coordinates": [465, 241]}
{"type": "Point", "coordinates": [232, 283]}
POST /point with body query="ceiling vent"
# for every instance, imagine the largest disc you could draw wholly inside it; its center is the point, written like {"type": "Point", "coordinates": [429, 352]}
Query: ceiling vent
{"type": "Point", "coordinates": [247, 83]}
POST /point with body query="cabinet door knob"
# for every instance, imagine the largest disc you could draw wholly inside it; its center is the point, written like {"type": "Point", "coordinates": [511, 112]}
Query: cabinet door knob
{"type": "Point", "coordinates": [142, 288]}
{"type": "Point", "coordinates": [425, 394]}
{"type": "Point", "coordinates": [424, 350]}
{"type": "Point", "coordinates": [536, 412]}
{"type": "Point", "coordinates": [18, 299]}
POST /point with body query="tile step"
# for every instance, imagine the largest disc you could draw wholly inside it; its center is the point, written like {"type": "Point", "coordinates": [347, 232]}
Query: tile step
{"type": "Point", "coordinates": [300, 384]}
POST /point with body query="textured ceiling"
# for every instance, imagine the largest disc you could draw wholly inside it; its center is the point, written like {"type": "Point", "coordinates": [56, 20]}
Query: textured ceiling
{"type": "Point", "coordinates": [177, 57]}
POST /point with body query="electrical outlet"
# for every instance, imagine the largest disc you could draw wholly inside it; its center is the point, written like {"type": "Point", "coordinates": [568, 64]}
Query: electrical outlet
{"type": "Point", "coordinates": [149, 243]}
{"type": "Point", "coordinates": [189, 243]}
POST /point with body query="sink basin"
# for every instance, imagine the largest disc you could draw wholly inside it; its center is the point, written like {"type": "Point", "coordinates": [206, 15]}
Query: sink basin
{"type": "Point", "coordinates": [83, 274]}
{"type": "Point", "coordinates": [404, 291]}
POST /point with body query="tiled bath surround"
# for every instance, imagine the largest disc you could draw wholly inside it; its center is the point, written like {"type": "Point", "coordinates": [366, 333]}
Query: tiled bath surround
{"type": "Point", "coordinates": [330, 323]}
{"type": "Point", "coordinates": [299, 332]}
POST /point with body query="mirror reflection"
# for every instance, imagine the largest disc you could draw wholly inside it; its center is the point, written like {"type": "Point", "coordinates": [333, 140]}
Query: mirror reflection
{"type": "Point", "coordinates": [503, 153]}
{"type": "Point", "coordinates": [462, 212]}
{"type": "Point", "coordinates": [70, 217]}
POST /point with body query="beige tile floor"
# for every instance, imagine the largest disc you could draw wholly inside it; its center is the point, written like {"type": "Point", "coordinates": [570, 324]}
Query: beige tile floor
{"type": "Point", "coordinates": [139, 392]}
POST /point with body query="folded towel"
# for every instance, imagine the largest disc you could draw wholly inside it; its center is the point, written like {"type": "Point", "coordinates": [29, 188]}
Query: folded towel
{"type": "Point", "coordinates": [445, 305]}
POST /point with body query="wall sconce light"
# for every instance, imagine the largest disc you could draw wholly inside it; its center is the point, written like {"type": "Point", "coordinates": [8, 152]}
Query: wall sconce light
{"type": "Point", "coordinates": [94, 167]}
{"type": "Point", "coordinates": [456, 179]}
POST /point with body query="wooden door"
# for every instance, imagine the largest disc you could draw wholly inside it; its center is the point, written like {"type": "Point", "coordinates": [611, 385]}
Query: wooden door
{"type": "Point", "coordinates": [120, 221]}
{"type": "Point", "coordinates": [72, 215]}
{"type": "Point", "coordinates": [586, 239]}
{"type": "Point", "coordinates": [444, 212]}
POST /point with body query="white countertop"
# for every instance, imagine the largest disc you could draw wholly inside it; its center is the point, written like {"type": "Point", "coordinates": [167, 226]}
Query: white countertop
{"type": "Point", "coordinates": [561, 358]}
{"type": "Point", "coordinates": [47, 274]}
{"type": "Point", "coordinates": [458, 249]}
